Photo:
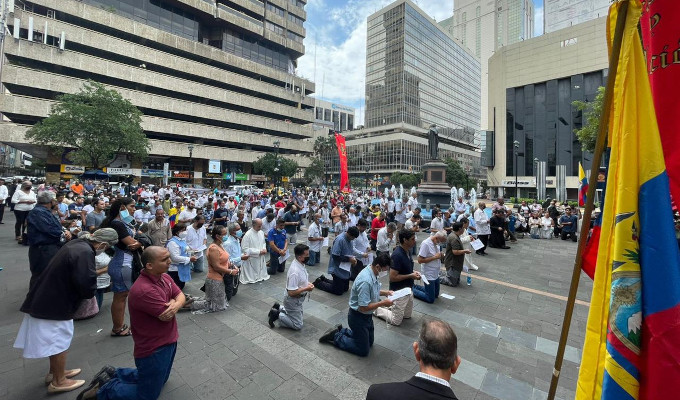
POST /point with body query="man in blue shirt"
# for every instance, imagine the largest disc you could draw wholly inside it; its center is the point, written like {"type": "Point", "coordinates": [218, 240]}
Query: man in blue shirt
{"type": "Point", "coordinates": [278, 246]}
{"type": "Point", "coordinates": [236, 257]}
{"type": "Point", "coordinates": [340, 264]}
{"type": "Point", "coordinates": [568, 223]}
{"type": "Point", "coordinates": [45, 234]}
{"type": "Point", "coordinates": [363, 299]}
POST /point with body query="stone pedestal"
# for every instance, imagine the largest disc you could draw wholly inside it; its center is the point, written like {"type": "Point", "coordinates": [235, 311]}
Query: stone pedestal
{"type": "Point", "coordinates": [433, 186]}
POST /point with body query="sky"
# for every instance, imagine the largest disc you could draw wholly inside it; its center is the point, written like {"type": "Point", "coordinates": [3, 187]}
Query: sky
{"type": "Point", "coordinates": [335, 45]}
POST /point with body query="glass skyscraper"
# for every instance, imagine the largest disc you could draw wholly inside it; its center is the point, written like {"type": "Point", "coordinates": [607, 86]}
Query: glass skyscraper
{"type": "Point", "coordinates": [418, 75]}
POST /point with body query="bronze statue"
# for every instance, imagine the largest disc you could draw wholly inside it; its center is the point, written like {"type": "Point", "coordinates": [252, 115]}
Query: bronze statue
{"type": "Point", "coordinates": [433, 143]}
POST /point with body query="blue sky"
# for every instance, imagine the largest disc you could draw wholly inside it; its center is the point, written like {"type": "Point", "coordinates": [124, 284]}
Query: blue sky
{"type": "Point", "coordinates": [335, 46]}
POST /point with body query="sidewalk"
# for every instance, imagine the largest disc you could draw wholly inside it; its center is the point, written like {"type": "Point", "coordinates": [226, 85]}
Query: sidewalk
{"type": "Point", "coordinates": [507, 324]}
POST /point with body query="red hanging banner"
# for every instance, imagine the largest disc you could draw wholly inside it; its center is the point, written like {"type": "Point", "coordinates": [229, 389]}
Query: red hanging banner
{"type": "Point", "coordinates": [660, 39]}
{"type": "Point", "coordinates": [342, 152]}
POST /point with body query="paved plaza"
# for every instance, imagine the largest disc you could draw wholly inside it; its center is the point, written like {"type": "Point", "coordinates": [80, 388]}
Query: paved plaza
{"type": "Point", "coordinates": [507, 322]}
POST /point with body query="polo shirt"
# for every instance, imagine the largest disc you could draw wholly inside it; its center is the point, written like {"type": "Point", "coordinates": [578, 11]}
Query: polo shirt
{"type": "Point", "coordinates": [365, 290]}
{"type": "Point", "coordinates": [429, 249]}
{"type": "Point", "coordinates": [279, 238]}
{"type": "Point", "coordinates": [297, 276]}
{"type": "Point", "coordinates": [376, 225]}
{"type": "Point", "coordinates": [146, 301]}
{"type": "Point", "coordinates": [569, 228]}
{"type": "Point", "coordinates": [290, 217]}
{"type": "Point", "coordinates": [402, 262]}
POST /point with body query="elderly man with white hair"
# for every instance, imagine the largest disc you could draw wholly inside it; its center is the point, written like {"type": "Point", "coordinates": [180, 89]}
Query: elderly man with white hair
{"type": "Point", "coordinates": [430, 260]}
{"type": "Point", "coordinates": [51, 302]}
{"type": "Point", "coordinates": [254, 269]}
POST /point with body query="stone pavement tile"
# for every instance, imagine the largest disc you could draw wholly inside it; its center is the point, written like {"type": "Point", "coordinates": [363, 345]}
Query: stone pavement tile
{"type": "Point", "coordinates": [385, 373]}
{"type": "Point", "coordinates": [220, 354]}
{"type": "Point", "coordinates": [550, 347]}
{"type": "Point", "coordinates": [217, 388]}
{"type": "Point", "coordinates": [562, 392]}
{"type": "Point", "coordinates": [181, 393]}
{"type": "Point", "coordinates": [518, 352]}
{"type": "Point", "coordinates": [326, 376]}
{"type": "Point", "coordinates": [356, 390]}
{"type": "Point", "coordinates": [483, 326]}
{"type": "Point", "coordinates": [197, 369]}
{"type": "Point", "coordinates": [320, 394]}
{"type": "Point", "coordinates": [243, 367]}
{"type": "Point", "coordinates": [251, 392]}
{"type": "Point", "coordinates": [272, 362]}
{"type": "Point", "coordinates": [463, 391]}
{"type": "Point", "coordinates": [470, 374]}
{"type": "Point", "coordinates": [266, 379]}
{"type": "Point", "coordinates": [506, 388]}
{"type": "Point", "coordinates": [296, 388]}
{"type": "Point", "coordinates": [193, 344]}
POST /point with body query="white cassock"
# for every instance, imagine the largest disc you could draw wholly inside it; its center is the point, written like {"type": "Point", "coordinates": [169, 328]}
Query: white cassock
{"type": "Point", "coordinates": [254, 269]}
{"type": "Point", "coordinates": [468, 264]}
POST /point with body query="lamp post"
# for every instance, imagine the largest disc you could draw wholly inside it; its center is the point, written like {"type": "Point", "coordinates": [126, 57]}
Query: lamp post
{"type": "Point", "coordinates": [277, 144]}
{"type": "Point", "coordinates": [191, 163]}
{"type": "Point", "coordinates": [517, 154]}
{"type": "Point", "coordinates": [368, 168]}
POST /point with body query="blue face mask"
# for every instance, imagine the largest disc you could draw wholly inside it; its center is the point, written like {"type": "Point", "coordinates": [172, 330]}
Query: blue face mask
{"type": "Point", "coordinates": [124, 214]}
{"type": "Point", "coordinates": [239, 233]}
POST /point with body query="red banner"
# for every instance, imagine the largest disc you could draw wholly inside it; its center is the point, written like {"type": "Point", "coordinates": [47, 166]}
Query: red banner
{"type": "Point", "coordinates": [661, 42]}
{"type": "Point", "coordinates": [342, 152]}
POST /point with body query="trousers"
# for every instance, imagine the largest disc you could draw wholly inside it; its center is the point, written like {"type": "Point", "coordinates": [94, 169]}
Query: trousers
{"type": "Point", "coordinates": [337, 286]}
{"type": "Point", "coordinates": [274, 265]}
{"type": "Point", "coordinates": [427, 293]}
{"type": "Point", "coordinates": [358, 338]}
{"type": "Point", "coordinates": [144, 382]}
{"type": "Point", "coordinates": [396, 313]}
{"type": "Point", "coordinates": [291, 313]}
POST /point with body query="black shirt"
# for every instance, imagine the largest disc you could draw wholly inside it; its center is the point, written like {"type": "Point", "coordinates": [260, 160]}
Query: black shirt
{"type": "Point", "coordinates": [122, 231]}
{"type": "Point", "coordinates": [222, 213]}
{"type": "Point", "coordinates": [402, 262]}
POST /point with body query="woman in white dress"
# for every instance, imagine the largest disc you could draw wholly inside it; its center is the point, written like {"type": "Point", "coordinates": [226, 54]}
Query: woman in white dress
{"type": "Point", "coordinates": [534, 226]}
{"type": "Point", "coordinates": [465, 239]}
{"type": "Point", "coordinates": [546, 226]}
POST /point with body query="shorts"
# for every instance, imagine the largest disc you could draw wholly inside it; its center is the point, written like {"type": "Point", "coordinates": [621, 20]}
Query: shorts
{"type": "Point", "coordinates": [121, 279]}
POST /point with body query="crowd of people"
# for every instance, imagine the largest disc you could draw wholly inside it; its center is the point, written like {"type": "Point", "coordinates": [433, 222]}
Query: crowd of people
{"type": "Point", "coordinates": [143, 243]}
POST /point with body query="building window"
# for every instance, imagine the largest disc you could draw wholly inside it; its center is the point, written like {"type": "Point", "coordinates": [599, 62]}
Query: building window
{"type": "Point", "coordinates": [276, 10]}
{"type": "Point", "coordinates": [350, 122]}
{"type": "Point", "coordinates": [274, 28]}
{"type": "Point", "coordinates": [319, 113]}
{"type": "Point", "coordinates": [295, 19]}
{"type": "Point", "coordinates": [327, 114]}
{"type": "Point", "coordinates": [295, 37]}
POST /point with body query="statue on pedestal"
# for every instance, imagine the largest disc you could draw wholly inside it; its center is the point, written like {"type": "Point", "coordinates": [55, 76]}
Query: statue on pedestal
{"type": "Point", "coordinates": [433, 143]}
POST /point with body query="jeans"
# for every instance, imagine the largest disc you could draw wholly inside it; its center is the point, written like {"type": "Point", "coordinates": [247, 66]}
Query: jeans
{"type": "Point", "coordinates": [175, 277]}
{"type": "Point", "coordinates": [358, 338]}
{"type": "Point", "coordinates": [143, 383]}
{"type": "Point", "coordinates": [99, 295]}
{"type": "Point", "coordinates": [427, 293]}
{"type": "Point", "coordinates": [274, 265]}
{"type": "Point", "coordinates": [314, 258]}
{"type": "Point", "coordinates": [197, 266]}
{"type": "Point", "coordinates": [337, 286]}
{"type": "Point", "coordinates": [564, 235]}
{"type": "Point", "coordinates": [20, 224]}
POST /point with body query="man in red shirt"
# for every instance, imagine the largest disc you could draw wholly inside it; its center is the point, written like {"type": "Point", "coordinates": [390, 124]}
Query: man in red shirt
{"type": "Point", "coordinates": [153, 301]}
{"type": "Point", "coordinates": [376, 225]}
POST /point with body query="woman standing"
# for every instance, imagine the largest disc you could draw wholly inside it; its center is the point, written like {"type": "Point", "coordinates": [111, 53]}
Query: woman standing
{"type": "Point", "coordinates": [180, 267]}
{"type": "Point", "coordinates": [24, 200]}
{"type": "Point", "coordinates": [218, 267]}
{"type": "Point", "coordinates": [120, 268]}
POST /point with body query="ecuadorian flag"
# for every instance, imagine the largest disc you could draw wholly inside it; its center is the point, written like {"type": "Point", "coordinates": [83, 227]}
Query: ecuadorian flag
{"type": "Point", "coordinates": [632, 344]}
{"type": "Point", "coordinates": [582, 186]}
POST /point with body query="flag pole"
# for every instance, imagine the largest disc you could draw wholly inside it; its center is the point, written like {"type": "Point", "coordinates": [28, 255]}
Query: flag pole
{"type": "Point", "coordinates": [590, 196]}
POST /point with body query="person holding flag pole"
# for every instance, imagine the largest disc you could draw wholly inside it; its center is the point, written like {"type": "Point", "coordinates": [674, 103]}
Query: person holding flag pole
{"type": "Point", "coordinates": [631, 348]}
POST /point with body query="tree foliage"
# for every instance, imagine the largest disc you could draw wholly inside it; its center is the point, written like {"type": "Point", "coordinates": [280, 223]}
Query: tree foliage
{"type": "Point", "coordinates": [97, 122]}
{"type": "Point", "coordinates": [456, 175]}
{"type": "Point", "coordinates": [315, 172]}
{"type": "Point", "coordinates": [324, 145]}
{"type": "Point", "coordinates": [592, 111]}
{"type": "Point", "coordinates": [357, 183]}
{"type": "Point", "coordinates": [266, 164]}
{"type": "Point", "coordinates": [408, 180]}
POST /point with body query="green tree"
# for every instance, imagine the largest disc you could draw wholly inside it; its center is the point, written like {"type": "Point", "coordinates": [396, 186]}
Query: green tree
{"type": "Point", "coordinates": [97, 122]}
{"type": "Point", "coordinates": [408, 180]}
{"type": "Point", "coordinates": [324, 145]}
{"type": "Point", "coordinates": [315, 172]}
{"type": "Point", "coordinates": [357, 183]}
{"type": "Point", "coordinates": [456, 175]}
{"type": "Point", "coordinates": [591, 111]}
{"type": "Point", "coordinates": [266, 164]}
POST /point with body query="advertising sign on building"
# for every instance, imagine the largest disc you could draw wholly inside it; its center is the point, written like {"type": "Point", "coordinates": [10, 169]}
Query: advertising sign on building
{"type": "Point", "coordinates": [209, 175]}
{"type": "Point", "coordinates": [258, 178]}
{"type": "Point", "coordinates": [214, 166]}
{"type": "Point", "coordinates": [180, 174]}
{"type": "Point", "coordinates": [153, 173]}
{"type": "Point", "coordinates": [522, 182]}
{"type": "Point", "coordinates": [72, 169]}
{"type": "Point", "coordinates": [119, 171]}
{"type": "Point", "coordinates": [241, 177]}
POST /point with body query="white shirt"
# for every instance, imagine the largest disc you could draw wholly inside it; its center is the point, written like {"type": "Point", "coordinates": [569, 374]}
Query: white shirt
{"type": "Point", "coordinates": [384, 243]}
{"type": "Point", "coordinates": [482, 222]}
{"type": "Point", "coordinates": [430, 269]}
{"type": "Point", "coordinates": [19, 195]}
{"type": "Point", "coordinates": [142, 216]}
{"type": "Point", "coordinates": [4, 194]}
{"type": "Point", "coordinates": [353, 219]}
{"type": "Point", "coordinates": [187, 215]}
{"type": "Point", "coordinates": [297, 276]}
{"type": "Point", "coordinates": [437, 224]}
{"type": "Point", "coordinates": [314, 232]}
{"type": "Point", "coordinates": [268, 226]}
{"type": "Point", "coordinates": [361, 245]}
{"type": "Point", "coordinates": [196, 239]}
{"type": "Point", "coordinates": [175, 256]}
{"type": "Point", "coordinates": [459, 206]}
{"type": "Point", "coordinates": [412, 202]}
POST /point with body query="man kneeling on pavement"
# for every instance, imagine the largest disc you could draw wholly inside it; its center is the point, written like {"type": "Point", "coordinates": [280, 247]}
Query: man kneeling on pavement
{"type": "Point", "coordinates": [297, 290]}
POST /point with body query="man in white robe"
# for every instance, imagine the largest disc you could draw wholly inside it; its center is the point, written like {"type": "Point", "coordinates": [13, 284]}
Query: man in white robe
{"type": "Point", "coordinates": [254, 269]}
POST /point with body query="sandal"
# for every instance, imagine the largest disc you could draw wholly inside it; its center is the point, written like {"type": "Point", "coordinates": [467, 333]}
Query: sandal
{"type": "Point", "coordinates": [120, 331]}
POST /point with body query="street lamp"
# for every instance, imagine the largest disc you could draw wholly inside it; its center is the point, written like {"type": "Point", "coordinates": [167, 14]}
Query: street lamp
{"type": "Point", "coordinates": [368, 168]}
{"type": "Point", "coordinates": [278, 164]}
{"type": "Point", "coordinates": [516, 148]}
{"type": "Point", "coordinates": [191, 162]}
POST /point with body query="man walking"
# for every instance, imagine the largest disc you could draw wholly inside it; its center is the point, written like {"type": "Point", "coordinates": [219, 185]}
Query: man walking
{"type": "Point", "coordinates": [153, 302]}
{"type": "Point", "coordinates": [401, 276]}
{"type": "Point", "coordinates": [363, 300]}
{"type": "Point", "coordinates": [454, 257]}
{"type": "Point", "coordinates": [437, 354]}
{"type": "Point", "coordinates": [297, 289]}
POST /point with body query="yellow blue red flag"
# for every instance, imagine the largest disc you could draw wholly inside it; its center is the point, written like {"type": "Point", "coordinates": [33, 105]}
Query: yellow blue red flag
{"type": "Point", "coordinates": [631, 349]}
{"type": "Point", "coordinates": [582, 186]}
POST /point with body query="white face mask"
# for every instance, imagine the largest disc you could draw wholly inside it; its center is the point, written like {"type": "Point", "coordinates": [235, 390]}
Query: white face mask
{"type": "Point", "coordinates": [100, 251]}
{"type": "Point", "coordinates": [382, 274]}
{"type": "Point", "coordinates": [182, 235]}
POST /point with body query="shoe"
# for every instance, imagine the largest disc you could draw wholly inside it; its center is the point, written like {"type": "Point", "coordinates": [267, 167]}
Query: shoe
{"type": "Point", "coordinates": [505, 247]}
{"type": "Point", "coordinates": [188, 302]}
{"type": "Point", "coordinates": [59, 389]}
{"type": "Point", "coordinates": [89, 392]}
{"type": "Point", "coordinates": [69, 373]}
{"type": "Point", "coordinates": [320, 279]}
{"type": "Point", "coordinates": [104, 375]}
{"type": "Point", "coordinates": [273, 316]}
{"type": "Point", "coordinates": [329, 335]}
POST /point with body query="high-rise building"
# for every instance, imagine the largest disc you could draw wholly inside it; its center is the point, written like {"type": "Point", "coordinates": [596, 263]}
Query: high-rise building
{"type": "Point", "coordinates": [559, 14]}
{"type": "Point", "coordinates": [483, 26]}
{"type": "Point", "coordinates": [416, 76]}
{"type": "Point", "coordinates": [214, 79]}
{"type": "Point", "coordinates": [329, 116]}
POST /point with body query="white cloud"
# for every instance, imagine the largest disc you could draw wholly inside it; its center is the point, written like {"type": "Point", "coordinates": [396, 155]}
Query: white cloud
{"type": "Point", "coordinates": [336, 37]}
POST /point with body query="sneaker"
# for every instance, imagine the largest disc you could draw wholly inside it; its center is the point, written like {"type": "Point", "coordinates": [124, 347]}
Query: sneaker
{"type": "Point", "coordinates": [104, 375]}
{"type": "Point", "coordinates": [469, 281]}
{"type": "Point", "coordinates": [329, 335]}
{"type": "Point", "coordinates": [273, 316]}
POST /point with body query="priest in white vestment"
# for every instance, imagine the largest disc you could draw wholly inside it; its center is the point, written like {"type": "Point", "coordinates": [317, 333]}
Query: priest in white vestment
{"type": "Point", "coordinates": [254, 269]}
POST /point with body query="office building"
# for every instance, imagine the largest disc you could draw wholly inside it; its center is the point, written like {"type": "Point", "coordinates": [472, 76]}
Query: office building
{"type": "Point", "coordinates": [329, 116]}
{"type": "Point", "coordinates": [484, 26]}
{"type": "Point", "coordinates": [416, 76]}
{"type": "Point", "coordinates": [560, 14]}
{"type": "Point", "coordinates": [214, 79]}
{"type": "Point", "coordinates": [531, 89]}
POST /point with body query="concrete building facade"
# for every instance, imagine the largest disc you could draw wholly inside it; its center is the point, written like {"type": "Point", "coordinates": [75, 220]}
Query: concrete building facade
{"type": "Point", "coordinates": [332, 116]}
{"type": "Point", "coordinates": [560, 14]}
{"type": "Point", "coordinates": [217, 76]}
{"type": "Point", "coordinates": [416, 76]}
{"type": "Point", "coordinates": [532, 86]}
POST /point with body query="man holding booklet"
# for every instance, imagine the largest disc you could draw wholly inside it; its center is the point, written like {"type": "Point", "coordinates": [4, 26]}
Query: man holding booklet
{"type": "Point", "coordinates": [430, 259]}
